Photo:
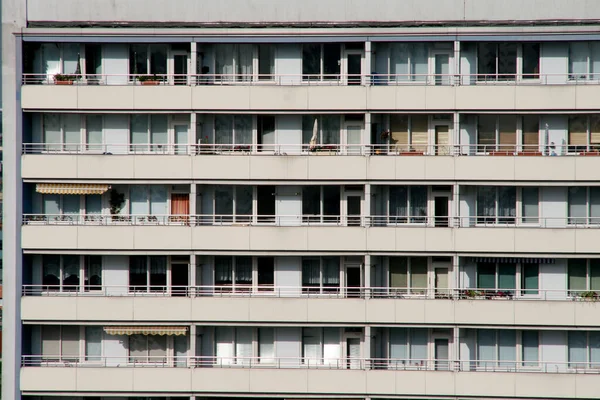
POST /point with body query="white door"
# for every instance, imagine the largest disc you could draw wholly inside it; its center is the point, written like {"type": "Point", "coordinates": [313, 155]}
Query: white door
{"type": "Point", "coordinates": [441, 68]}
{"type": "Point", "coordinates": [181, 138]}
{"type": "Point", "coordinates": [354, 67]}
{"type": "Point", "coordinates": [353, 353]}
{"type": "Point", "coordinates": [353, 138]}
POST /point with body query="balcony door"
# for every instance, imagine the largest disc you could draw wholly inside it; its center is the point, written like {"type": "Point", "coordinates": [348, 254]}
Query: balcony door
{"type": "Point", "coordinates": [180, 68]}
{"type": "Point", "coordinates": [442, 353]}
{"type": "Point", "coordinates": [441, 67]}
{"type": "Point", "coordinates": [353, 138]}
{"type": "Point", "coordinates": [442, 140]}
{"type": "Point", "coordinates": [180, 207]}
{"type": "Point", "coordinates": [353, 68]}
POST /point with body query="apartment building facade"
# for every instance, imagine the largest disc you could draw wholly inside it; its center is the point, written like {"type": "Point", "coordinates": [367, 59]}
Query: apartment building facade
{"type": "Point", "coordinates": [341, 200]}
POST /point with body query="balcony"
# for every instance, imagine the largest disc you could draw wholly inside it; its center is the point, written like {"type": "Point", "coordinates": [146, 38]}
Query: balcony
{"type": "Point", "coordinates": [375, 92]}
{"type": "Point", "coordinates": [540, 307]}
{"type": "Point", "coordinates": [305, 162]}
{"type": "Point", "coordinates": [365, 377]}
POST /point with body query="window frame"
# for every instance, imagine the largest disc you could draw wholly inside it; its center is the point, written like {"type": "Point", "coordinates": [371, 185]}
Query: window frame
{"type": "Point", "coordinates": [409, 361]}
{"type": "Point", "coordinates": [394, 220]}
{"type": "Point", "coordinates": [321, 76]}
{"type": "Point", "coordinates": [588, 219]}
{"type": "Point", "coordinates": [593, 292]}
{"type": "Point", "coordinates": [519, 75]}
{"type": "Point", "coordinates": [148, 287]}
{"type": "Point", "coordinates": [588, 363]}
{"type": "Point", "coordinates": [321, 287]}
{"type": "Point", "coordinates": [519, 290]}
{"type": "Point", "coordinates": [409, 290]}
{"type": "Point", "coordinates": [510, 365]}
{"type": "Point", "coordinates": [589, 124]}
{"type": "Point", "coordinates": [589, 74]}
{"type": "Point", "coordinates": [82, 286]}
{"type": "Point", "coordinates": [234, 217]}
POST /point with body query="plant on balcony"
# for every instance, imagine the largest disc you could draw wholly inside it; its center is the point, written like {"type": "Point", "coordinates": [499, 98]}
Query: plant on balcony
{"type": "Point", "coordinates": [471, 294]}
{"type": "Point", "coordinates": [64, 79]}
{"type": "Point", "coordinates": [590, 296]}
{"type": "Point", "coordinates": [245, 147]}
{"type": "Point", "coordinates": [323, 148]}
{"type": "Point", "coordinates": [149, 79]}
{"type": "Point", "coordinates": [116, 205]}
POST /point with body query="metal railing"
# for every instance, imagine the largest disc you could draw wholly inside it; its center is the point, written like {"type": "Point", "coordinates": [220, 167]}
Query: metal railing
{"type": "Point", "coordinates": [302, 149]}
{"type": "Point", "coordinates": [309, 292]}
{"type": "Point", "coordinates": [365, 221]}
{"type": "Point", "coordinates": [232, 362]}
{"type": "Point", "coordinates": [374, 78]}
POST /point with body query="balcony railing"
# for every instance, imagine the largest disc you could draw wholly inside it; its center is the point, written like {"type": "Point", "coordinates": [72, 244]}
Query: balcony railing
{"type": "Point", "coordinates": [399, 221]}
{"type": "Point", "coordinates": [310, 79]}
{"type": "Point", "coordinates": [313, 363]}
{"type": "Point", "coordinates": [310, 292]}
{"type": "Point", "coordinates": [207, 149]}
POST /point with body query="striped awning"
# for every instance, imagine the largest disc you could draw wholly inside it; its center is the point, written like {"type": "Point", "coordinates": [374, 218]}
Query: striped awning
{"type": "Point", "coordinates": [513, 260]}
{"type": "Point", "coordinates": [146, 330]}
{"type": "Point", "coordinates": [71, 188]}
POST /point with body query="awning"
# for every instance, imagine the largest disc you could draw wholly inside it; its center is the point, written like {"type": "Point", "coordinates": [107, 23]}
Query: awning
{"type": "Point", "coordinates": [513, 260]}
{"type": "Point", "coordinates": [71, 188]}
{"type": "Point", "coordinates": [146, 330]}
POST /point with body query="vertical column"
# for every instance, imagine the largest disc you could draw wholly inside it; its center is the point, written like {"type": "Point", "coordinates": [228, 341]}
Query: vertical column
{"type": "Point", "coordinates": [366, 212]}
{"type": "Point", "coordinates": [367, 347]}
{"type": "Point", "coordinates": [192, 141]}
{"type": "Point", "coordinates": [456, 273]}
{"type": "Point", "coordinates": [456, 221]}
{"type": "Point", "coordinates": [455, 139]}
{"type": "Point", "coordinates": [456, 347]}
{"type": "Point", "coordinates": [13, 20]}
{"type": "Point", "coordinates": [367, 280]}
{"type": "Point", "coordinates": [193, 208]}
{"type": "Point", "coordinates": [193, 272]}
{"type": "Point", "coordinates": [367, 135]}
{"type": "Point", "coordinates": [192, 350]}
{"type": "Point", "coordinates": [366, 70]}
{"type": "Point", "coordinates": [456, 63]}
{"type": "Point", "coordinates": [192, 70]}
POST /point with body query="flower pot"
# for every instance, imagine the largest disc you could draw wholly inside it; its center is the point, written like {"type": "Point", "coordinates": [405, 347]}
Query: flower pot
{"type": "Point", "coordinates": [63, 82]}
{"type": "Point", "coordinates": [501, 153]}
{"type": "Point", "coordinates": [530, 153]}
{"type": "Point", "coordinates": [590, 153]}
{"type": "Point", "coordinates": [150, 83]}
{"type": "Point", "coordinates": [411, 153]}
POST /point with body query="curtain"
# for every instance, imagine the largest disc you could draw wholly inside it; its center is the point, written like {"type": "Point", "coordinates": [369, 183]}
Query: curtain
{"type": "Point", "coordinates": [576, 274]}
{"type": "Point", "coordinates": [243, 129]}
{"type": "Point", "coordinates": [158, 200]}
{"type": "Point", "coordinates": [398, 272]}
{"type": "Point", "coordinates": [52, 132]}
{"type": "Point", "coordinates": [398, 203]}
{"type": "Point", "coordinates": [139, 132]}
{"type": "Point", "coordinates": [72, 131]}
{"type": "Point", "coordinates": [158, 131]}
{"type": "Point", "coordinates": [311, 343]}
{"type": "Point", "coordinates": [530, 277]}
{"type": "Point", "coordinates": [243, 270]}
{"type": "Point", "coordinates": [311, 273]}
{"type": "Point", "coordinates": [507, 346]}
{"type": "Point", "coordinates": [138, 277]}
{"type": "Point", "coordinates": [224, 61]}
{"type": "Point", "coordinates": [398, 346]}
{"type": "Point", "coordinates": [418, 204]}
{"type": "Point", "coordinates": [399, 56]}
{"type": "Point", "coordinates": [530, 343]}
{"type": "Point", "coordinates": [70, 272]}
{"type": "Point", "coordinates": [578, 60]}
{"type": "Point", "coordinates": [331, 271]}
{"type": "Point", "coordinates": [486, 347]}
{"type": "Point", "coordinates": [93, 343]}
{"type": "Point", "coordinates": [332, 350]}
{"type": "Point", "coordinates": [158, 273]}
{"type": "Point", "coordinates": [223, 270]}
{"type": "Point", "coordinates": [419, 132]}
{"type": "Point", "coordinates": [51, 271]}
{"type": "Point", "coordinates": [93, 272]}
{"type": "Point", "coordinates": [418, 274]}
{"type": "Point", "coordinates": [418, 346]}
{"type": "Point", "coordinates": [224, 129]}
{"type": "Point", "coordinates": [244, 62]}
{"type": "Point", "coordinates": [266, 345]}
{"type": "Point", "coordinates": [577, 349]}
{"type": "Point", "coordinates": [243, 345]}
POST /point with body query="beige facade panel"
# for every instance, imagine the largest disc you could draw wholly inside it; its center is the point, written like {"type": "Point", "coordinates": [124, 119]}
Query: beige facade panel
{"type": "Point", "coordinates": [142, 308]}
{"type": "Point", "coordinates": [505, 97]}
{"type": "Point", "coordinates": [310, 382]}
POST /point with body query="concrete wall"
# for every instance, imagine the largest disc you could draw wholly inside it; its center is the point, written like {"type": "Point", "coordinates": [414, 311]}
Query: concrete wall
{"type": "Point", "coordinates": [257, 11]}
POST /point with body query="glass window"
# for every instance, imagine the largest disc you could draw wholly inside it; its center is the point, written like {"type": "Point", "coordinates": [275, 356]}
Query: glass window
{"type": "Point", "coordinates": [158, 59]}
{"type": "Point", "coordinates": [398, 344]}
{"type": "Point", "coordinates": [311, 61]}
{"type": "Point", "coordinates": [486, 275]}
{"type": "Point", "coordinates": [266, 61]}
{"type": "Point", "coordinates": [51, 272]}
{"type": "Point", "coordinates": [93, 343]}
{"type": "Point", "coordinates": [70, 342]}
{"type": "Point", "coordinates": [578, 60]}
{"type": "Point", "coordinates": [507, 200]}
{"type": "Point", "coordinates": [577, 133]}
{"type": "Point", "coordinates": [486, 347]}
{"type": "Point", "coordinates": [399, 61]}
{"type": "Point", "coordinates": [330, 129]}
{"type": "Point", "coordinates": [93, 204]}
{"type": "Point", "coordinates": [398, 272]}
{"type": "Point", "coordinates": [530, 348]}
{"type": "Point", "coordinates": [418, 274]}
{"type": "Point", "coordinates": [331, 203]}
{"type": "Point", "coordinates": [331, 271]}
{"type": "Point", "coordinates": [531, 134]}
{"type": "Point", "coordinates": [243, 270]}
{"type": "Point", "coordinates": [223, 202]}
{"type": "Point", "coordinates": [70, 276]}
{"type": "Point", "coordinates": [486, 61]}
{"type": "Point", "coordinates": [51, 204]}
{"type": "Point", "coordinates": [266, 271]}
{"type": "Point", "coordinates": [71, 58]}
{"type": "Point", "coordinates": [577, 205]}
{"type": "Point", "coordinates": [244, 62]}
{"type": "Point", "coordinates": [139, 132]}
{"type": "Point", "coordinates": [530, 205]}
{"type": "Point", "coordinates": [507, 61]}
{"type": "Point", "coordinates": [94, 139]}
{"type": "Point", "coordinates": [243, 129]}
{"type": "Point", "coordinates": [331, 60]}
{"type": "Point", "coordinates": [72, 131]}
{"type": "Point", "coordinates": [266, 345]}
{"type": "Point", "coordinates": [507, 276]}
{"type": "Point", "coordinates": [138, 200]}
{"type": "Point", "coordinates": [50, 342]}
{"type": "Point", "coordinates": [594, 205]}
{"type": "Point", "coordinates": [311, 340]}
{"type": "Point", "coordinates": [138, 274]}
{"type": "Point", "coordinates": [398, 203]}
{"type": "Point", "coordinates": [531, 60]}
{"type": "Point", "coordinates": [243, 345]}
{"type": "Point", "coordinates": [138, 59]}
{"type": "Point", "coordinates": [311, 201]}
{"type": "Point", "coordinates": [418, 346]}
{"type": "Point", "coordinates": [594, 274]}
{"type": "Point", "coordinates": [223, 270]}
{"type": "Point", "coordinates": [486, 204]}
{"type": "Point", "coordinates": [576, 275]}
{"type": "Point", "coordinates": [507, 346]}
{"type": "Point", "coordinates": [158, 200]}
{"type": "Point", "coordinates": [157, 348]}
{"type": "Point", "coordinates": [52, 132]}
{"type": "Point", "coordinates": [418, 204]}
{"type": "Point", "coordinates": [311, 272]}
{"type": "Point", "coordinates": [158, 273]}
{"type": "Point", "coordinates": [577, 349]}
{"type": "Point", "coordinates": [594, 346]}
{"type": "Point", "coordinates": [243, 202]}
{"type": "Point", "coordinates": [530, 278]}
{"type": "Point", "coordinates": [507, 135]}
{"type": "Point", "coordinates": [486, 133]}
{"type": "Point", "coordinates": [419, 61]}
{"type": "Point", "coordinates": [158, 131]}
{"type": "Point", "coordinates": [93, 272]}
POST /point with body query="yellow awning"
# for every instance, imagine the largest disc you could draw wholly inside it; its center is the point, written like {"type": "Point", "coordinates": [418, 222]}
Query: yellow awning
{"type": "Point", "coordinates": [146, 330]}
{"type": "Point", "coordinates": [71, 188]}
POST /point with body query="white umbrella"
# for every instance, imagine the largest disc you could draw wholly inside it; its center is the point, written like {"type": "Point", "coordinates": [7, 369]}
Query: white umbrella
{"type": "Point", "coordinates": [313, 139]}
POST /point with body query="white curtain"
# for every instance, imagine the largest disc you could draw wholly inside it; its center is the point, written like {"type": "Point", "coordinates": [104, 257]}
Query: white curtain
{"type": "Point", "coordinates": [93, 343]}
{"type": "Point", "coordinates": [266, 345]}
{"type": "Point", "coordinates": [225, 349]}
{"type": "Point", "coordinates": [72, 129]}
{"type": "Point", "coordinates": [243, 345]}
{"type": "Point", "coordinates": [244, 62]}
{"type": "Point", "coordinates": [332, 350]}
{"type": "Point", "coordinates": [311, 340]}
{"type": "Point", "coordinates": [52, 132]}
{"type": "Point", "coordinates": [399, 53]}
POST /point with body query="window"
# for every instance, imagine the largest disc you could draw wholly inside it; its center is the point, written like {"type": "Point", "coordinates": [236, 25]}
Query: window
{"type": "Point", "coordinates": [530, 198]}
{"type": "Point", "coordinates": [407, 204]}
{"type": "Point", "coordinates": [583, 276]}
{"type": "Point", "coordinates": [584, 349]}
{"type": "Point", "coordinates": [266, 62]}
{"type": "Point", "coordinates": [233, 273]}
{"type": "Point", "coordinates": [409, 133]}
{"type": "Point", "coordinates": [498, 61]}
{"type": "Point", "coordinates": [234, 345]}
{"type": "Point", "coordinates": [266, 345]}
{"type": "Point", "coordinates": [148, 203]}
{"type": "Point", "coordinates": [320, 274]}
{"type": "Point", "coordinates": [93, 273]}
{"type": "Point", "coordinates": [584, 60]}
{"type": "Point", "coordinates": [233, 203]}
{"type": "Point", "coordinates": [321, 204]}
{"type": "Point", "coordinates": [501, 278]}
{"type": "Point", "coordinates": [531, 133]}
{"type": "Point", "coordinates": [328, 131]}
{"type": "Point", "coordinates": [321, 346]}
{"type": "Point", "coordinates": [496, 348]}
{"type": "Point", "coordinates": [499, 133]}
{"type": "Point", "coordinates": [408, 346]}
{"type": "Point", "coordinates": [60, 343]}
{"type": "Point", "coordinates": [94, 137]}
{"type": "Point", "coordinates": [584, 205]}
{"type": "Point", "coordinates": [57, 58]}
{"type": "Point", "coordinates": [584, 133]}
{"type": "Point", "coordinates": [61, 132]}
{"type": "Point", "coordinates": [233, 130]}
{"type": "Point", "coordinates": [93, 343]}
{"type": "Point", "coordinates": [321, 61]}
{"type": "Point", "coordinates": [148, 59]}
{"type": "Point", "coordinates": [233, 62]}
{"type": "Point", "coordinates": [61, 273]}
{"type": "Point", "coordinates": [266, 273]}
{"type": "Point", "coordinates": [148, 274]}
{"type": "Point", "coordinates": [496, 205]}
{"type": "Point", "coordinates": [68, 207]}
{"type": "Point", "coordinates": [148, 349]}
{"type": "Point", "coordinates": [409, 62]}
{"type": "Point", "coordinates": [149, 132]}
{"type": "Point", "coordinates": [408, 275]}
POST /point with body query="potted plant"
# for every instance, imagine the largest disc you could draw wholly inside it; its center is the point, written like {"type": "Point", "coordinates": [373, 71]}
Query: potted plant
{"type": "Point", "coordinates": [116, 205]}
{"type": "Point", "coordinates": [64, 79]}
{"type": "Point", "coordinates": [149, 79]}
{"type": "Point", "coordinates": [590, 296]}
